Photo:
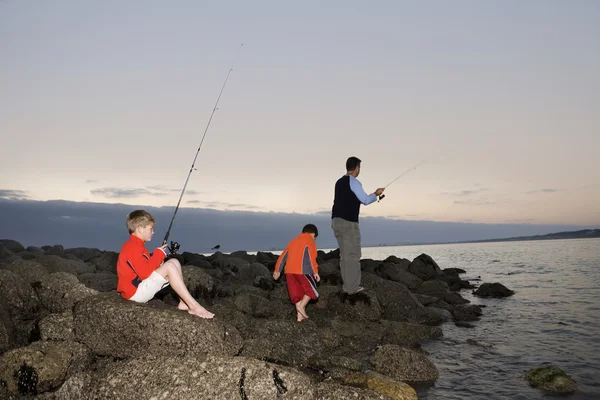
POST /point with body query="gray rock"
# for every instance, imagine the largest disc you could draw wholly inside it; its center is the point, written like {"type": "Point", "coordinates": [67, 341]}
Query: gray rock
{"type": "Point", "coordinates": [115, 327]}
{"type": "Point", "coordinates": [189, 378]}
{"type": "Point", "coordinates": [424, 267]}
{"type": "Point", "coordinates": [100, 281]}
{"type": "Point", "coordinates": [19, 307]}
{"type": "Point", "coordinates": [55, 263]}
{"type": "Point", "coordinates": [59, 291]}
{"type": "Point", "coordinates": [435, 288]}
{"type": "Point", "coordinates": [57, 250]}
{"type": "Point", "coordinates": [34, 250]}
{"type": "Point", "coordinates": [408, 335]}
{"type": "Point", "coordinates": [57, 327]}
{"type": "Point", "coordinates": [455, 298]}
{"type": "Point", "coordinates": [493, 290]}
{"type": "Point", "coordinates": [42, 366]}
{"type": "Point", "coordinates": [199, 283]}
{"type": "Point", "coordinates": [396, 273]}
{"type": "Point", "coordinates": [398, 302]}
{"type": "Point", "coordinates": [358, 336]}
{"type": "Point", "coordinates": [404, 365]}
{"type": "Point", "coordinates": [106, 262]}
{"type": "Point", "coordinates": [12, 245]}
{"type": "Point", "coordinates": [357, 307]}
{"type": "Point", "coordinates": [254, 305]}
{"type": "Point", "coordinates": [31, 271]}
{"type": "Point", "coordinates": [330, 273]}
{"type": "Point", "coordinates": [304, 345]}
{"type": "Point", "coordinates": [84, 253]}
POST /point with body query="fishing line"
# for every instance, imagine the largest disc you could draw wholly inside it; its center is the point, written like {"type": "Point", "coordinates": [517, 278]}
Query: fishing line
{"type": "Point", "coordinates": [423, 161]}
{"type": "Point", "coordinates": [174, 245]}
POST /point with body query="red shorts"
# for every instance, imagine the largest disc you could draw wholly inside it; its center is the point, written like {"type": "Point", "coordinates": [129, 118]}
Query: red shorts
{"type": "Point", "coordinates": [300, 285]}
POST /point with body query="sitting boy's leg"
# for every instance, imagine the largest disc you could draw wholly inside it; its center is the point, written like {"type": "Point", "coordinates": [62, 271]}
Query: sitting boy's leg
{"type": "Point", "coordinates": [171, 271]}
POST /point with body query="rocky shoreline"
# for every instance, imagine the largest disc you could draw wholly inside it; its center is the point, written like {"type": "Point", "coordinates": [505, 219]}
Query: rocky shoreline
{"type": "Point", "coordinates": [66, 334]}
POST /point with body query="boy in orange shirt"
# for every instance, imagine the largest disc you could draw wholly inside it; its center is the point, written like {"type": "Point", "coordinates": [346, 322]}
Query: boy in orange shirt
{"type": "Point", "coordinates": [301, 270]}
{"type": "Point", "coordinates": [141, 275]}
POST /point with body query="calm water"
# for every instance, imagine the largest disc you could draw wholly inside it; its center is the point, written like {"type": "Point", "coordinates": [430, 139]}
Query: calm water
{"type": "Point", "coordinates": [554, 317]}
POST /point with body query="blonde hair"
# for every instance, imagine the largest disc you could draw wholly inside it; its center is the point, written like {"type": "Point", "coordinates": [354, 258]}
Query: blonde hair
{"type": "Point", "coordinates": [138, 218]}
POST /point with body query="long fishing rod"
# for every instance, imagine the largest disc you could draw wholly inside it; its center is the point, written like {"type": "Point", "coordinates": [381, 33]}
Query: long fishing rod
{"type": "Point", "coordinates": [402, 174]}
{"type": "Point", "coordinates": [174, 245]}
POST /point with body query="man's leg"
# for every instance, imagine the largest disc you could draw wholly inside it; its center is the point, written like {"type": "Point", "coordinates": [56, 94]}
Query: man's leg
{"type": "Point", "coordinates": [171, 271]}
{"type": "Point", "coordinates": [353, 253]}
{"type": "Point", "coordinates": [338, 232]}
{"type": "Point", "coordinates": [348, 235]}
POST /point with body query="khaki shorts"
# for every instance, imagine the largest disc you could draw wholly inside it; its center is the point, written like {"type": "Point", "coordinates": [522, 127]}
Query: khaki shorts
{"type": "Point", "coordinates": [149, 287]}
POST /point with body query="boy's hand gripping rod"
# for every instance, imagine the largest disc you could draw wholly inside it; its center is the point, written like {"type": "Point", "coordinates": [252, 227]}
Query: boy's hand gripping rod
{"type": "Point", "coordinates": [400, 176]}
{"type": "Point", "coordinates": [174, 245]}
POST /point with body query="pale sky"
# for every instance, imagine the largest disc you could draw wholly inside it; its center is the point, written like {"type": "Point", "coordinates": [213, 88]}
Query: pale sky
{"type": "Point", "coordinates": [106, 101]}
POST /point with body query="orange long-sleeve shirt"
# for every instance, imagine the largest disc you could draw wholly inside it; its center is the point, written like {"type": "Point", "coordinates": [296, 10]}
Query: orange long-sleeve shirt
{"type": "Point", "coordinates": [135, 264]}
{"type": "Point", "coordinates": [299, 257]}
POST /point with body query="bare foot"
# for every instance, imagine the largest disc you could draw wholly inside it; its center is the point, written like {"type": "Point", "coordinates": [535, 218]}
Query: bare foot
{"type": "Point", "coordinates": [201, 312]}
{"type": "Point", "coordinates": [300, 310]}
{"type": "Point", "coordinates": [300, 317]}
{"type": "Point", "coordinates": [182, 306]}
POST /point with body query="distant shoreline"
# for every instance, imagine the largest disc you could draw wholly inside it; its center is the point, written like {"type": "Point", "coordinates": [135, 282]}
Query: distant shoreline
{"type": "Point", "coordinates": [581, 234]}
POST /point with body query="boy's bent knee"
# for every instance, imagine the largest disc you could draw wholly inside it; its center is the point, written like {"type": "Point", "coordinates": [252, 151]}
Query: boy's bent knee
{"type": "Point", "coordinates": [173, 263]}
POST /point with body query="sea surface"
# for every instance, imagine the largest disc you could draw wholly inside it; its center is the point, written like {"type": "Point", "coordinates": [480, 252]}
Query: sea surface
{"type": "Point", "coordinates": [554, 317]}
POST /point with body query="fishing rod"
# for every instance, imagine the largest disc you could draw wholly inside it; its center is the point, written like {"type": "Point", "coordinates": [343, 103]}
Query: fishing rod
{"type": "Point", "coordinates": [401, 175]}
{"type": "Point", "coordinates": [174, 245]}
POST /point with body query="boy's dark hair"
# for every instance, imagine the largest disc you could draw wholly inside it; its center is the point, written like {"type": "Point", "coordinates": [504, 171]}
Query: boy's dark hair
{"type": "Point", "coordinates": [310, 228]}
{"type": "Point", "coordinates": [352, 163]}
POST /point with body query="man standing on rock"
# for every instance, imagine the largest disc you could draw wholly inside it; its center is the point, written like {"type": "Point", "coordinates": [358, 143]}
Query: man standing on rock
{"type": "Point", "coordinates": [349, 195]}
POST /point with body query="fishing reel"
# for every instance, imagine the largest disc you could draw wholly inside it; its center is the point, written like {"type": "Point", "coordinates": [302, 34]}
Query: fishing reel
{"type": "Point", "coordinates": [380, 197]}
{"type": "Point", "coordinates": [173, 247]}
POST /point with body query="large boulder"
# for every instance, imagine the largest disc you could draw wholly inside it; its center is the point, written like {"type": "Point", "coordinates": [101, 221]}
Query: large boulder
{"type": "Point", "coordinates": [397, 273]}
{"type": "Point", "coordinates": [19, 307]}
{"type": "Point", "coordinates": [42, 366]}
{"type": "Point", "coordinates": [434, 288]}
{"type": "Point", "coordinates": [408, 335]}
{"type": "Point", "coordinates": [293, 343]}
{"type": "Point", "coordinates": [356, 307]}
{"type": "Point", "coordinates": [189, 378]}
{"type": "Point", "coordinates": [113, 326]}
{"type": "Point", "coordinates": [254, 305]}
{"type": "Point", "coordinates": [198, 282]}
{"type": "Point", "coordinates": [424, 267]}
{"type": "Point", "coordinates": [59, 291]}
{"type": "Point", "coordinates": [398, 302]}
{"type": "Point", "coordinates": [106, 262]}
{"type": "Point", "coordinates": [30, 270]}
{"type": "Point", "coordinates": [84, 253]}
{"type": "Point", "coordinates": [56, 263]}
{"type": "Point", "coordinates": [100, 281]}
{"type": "Point", "coordinates": [404, 364]}
{"type": "Point", "coordinates": [12, 245]}
{"type": "Point", "coordinates": [57, 327]}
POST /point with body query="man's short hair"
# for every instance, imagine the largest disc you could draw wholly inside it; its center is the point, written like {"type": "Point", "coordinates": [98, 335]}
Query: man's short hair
{"type": "Point", "coordinates": [352, 163]}
{"type": "Point", "coordinates": [138, 218]}
{"type": "Point", "coordinates": [310, 228]}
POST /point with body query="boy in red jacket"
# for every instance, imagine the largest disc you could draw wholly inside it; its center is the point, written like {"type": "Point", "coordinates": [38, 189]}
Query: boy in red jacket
{"type": "Point", "coordinates": [141, 275]}
{"type": "Point", "coordinates": [301, 270]}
